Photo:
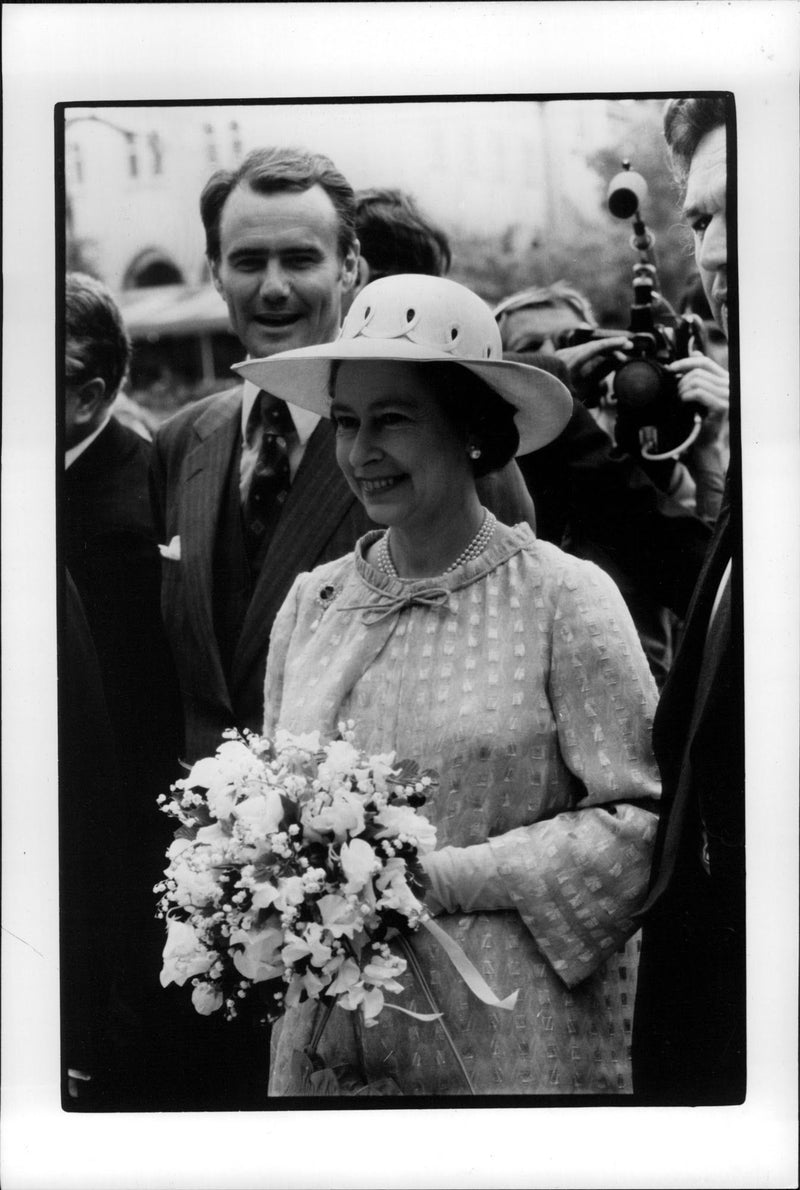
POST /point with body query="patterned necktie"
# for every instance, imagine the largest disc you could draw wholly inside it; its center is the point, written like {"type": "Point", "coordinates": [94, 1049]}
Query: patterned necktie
{"type": "Point", "coordinates": [271, 422]}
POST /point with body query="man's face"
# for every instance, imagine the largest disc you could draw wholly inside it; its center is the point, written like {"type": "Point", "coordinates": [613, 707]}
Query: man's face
{"type": "Point", "coordinates": [705, 211]}
{"type": "Point", "coordinates": [279, 268]}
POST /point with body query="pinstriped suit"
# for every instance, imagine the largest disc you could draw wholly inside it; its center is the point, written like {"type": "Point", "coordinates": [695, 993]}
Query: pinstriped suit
{"type": "Point", "coordinates": [321, 520]}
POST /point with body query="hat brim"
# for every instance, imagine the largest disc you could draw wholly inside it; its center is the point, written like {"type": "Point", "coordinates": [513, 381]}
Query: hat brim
{"type": "Point", "coordinates": [543, 404]}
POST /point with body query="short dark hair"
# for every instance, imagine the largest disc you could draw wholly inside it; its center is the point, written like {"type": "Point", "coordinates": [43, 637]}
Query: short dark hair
{"type": "Point", "coordinates": [270, 171]}
{"type": "Point", "coordinates": [475, 411]}
{"type": "Point", "coordinates": [686, 122]}
{"type": "Point", "coordinates": [97, 343]}
{"type": "Point", "coordinates": [396, 237]}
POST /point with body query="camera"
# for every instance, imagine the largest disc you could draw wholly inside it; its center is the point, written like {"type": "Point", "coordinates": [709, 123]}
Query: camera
{"type": "Point", "coordinates": [652, 421]}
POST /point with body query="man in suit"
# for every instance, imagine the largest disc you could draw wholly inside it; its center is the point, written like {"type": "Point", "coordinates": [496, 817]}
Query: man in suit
{"type": "Point", "coordinates": [108, 544]}
{"type": "Point", "coordinates": [689, 1024]}
{"type": "Point", "coordinates": [283, 251]}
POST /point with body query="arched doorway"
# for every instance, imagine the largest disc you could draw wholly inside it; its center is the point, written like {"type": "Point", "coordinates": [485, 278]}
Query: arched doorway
{"type": "Point", "coordinates": [150, 268]}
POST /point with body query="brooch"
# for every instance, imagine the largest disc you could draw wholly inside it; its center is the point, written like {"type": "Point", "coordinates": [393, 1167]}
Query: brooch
{"type": "Point", "coordinates": [324, 598]}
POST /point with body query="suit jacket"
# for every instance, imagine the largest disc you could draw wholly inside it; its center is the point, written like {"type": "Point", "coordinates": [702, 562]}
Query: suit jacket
{"type": "Point", "coordinates": [108, 542]}
{"type": "Point", "coordinates": [689, 1025]}
{"type": "Point", "coordinates": [88, 798]}
{"type": "Point", "coordinates": [320, 520]}
{"type": "Point", "coordinates": [109, 546]}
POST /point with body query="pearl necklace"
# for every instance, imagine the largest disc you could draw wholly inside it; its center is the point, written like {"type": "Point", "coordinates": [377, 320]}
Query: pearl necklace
{"type": "Point", "coordinates": [473, 550]}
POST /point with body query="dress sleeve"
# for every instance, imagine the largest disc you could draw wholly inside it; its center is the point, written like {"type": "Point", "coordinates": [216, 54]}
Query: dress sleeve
{"type": "Point", "coordinates": [577, 878]}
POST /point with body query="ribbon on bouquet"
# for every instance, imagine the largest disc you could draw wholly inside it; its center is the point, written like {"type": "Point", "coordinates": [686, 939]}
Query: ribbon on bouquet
{"type": "Point", "coordinates": [466, 969]}
{"type": "Point", "coordinates": [472, 978]}
{"type": "Point", "coordinates": [469, 973]}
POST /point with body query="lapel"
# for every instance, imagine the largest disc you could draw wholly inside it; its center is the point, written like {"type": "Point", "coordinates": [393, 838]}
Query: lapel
{"type": "Point", "coordinates": [688, 694]}
{"type": "Point", "coordinates": [677, 704]}
{"type": "Point", "coordinates": [318, 501]}
{"type": "Point", "coordinates": [203, 486]}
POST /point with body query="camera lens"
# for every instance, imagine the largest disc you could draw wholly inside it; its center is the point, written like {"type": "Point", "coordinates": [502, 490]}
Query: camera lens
{"type": "Point", "coordinates": [637, 384]}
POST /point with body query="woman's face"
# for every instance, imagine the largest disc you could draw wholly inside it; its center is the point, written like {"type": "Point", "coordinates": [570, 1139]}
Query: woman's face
{"type": "Point", "coordinates": [400, 455]}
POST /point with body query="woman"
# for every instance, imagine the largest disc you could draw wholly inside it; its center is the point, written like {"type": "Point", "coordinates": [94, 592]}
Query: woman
{"type": "Point", "coordinates": [511, 668]}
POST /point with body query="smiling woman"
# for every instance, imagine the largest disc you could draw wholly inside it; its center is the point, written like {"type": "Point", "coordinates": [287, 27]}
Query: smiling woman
{"type": "Point", "coordinates": [511, 669]}
{"type": "Point", "coordinates": [406, 463]}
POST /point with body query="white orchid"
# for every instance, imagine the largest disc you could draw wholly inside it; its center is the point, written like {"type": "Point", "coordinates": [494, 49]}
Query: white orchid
{"type": "Point", "coordinates": [359, 864]}
{"type": "Point", "coordinates": [339, 915]}
{"type": "Point", "coordinates": [259, 958]}
{"type": "Point", "coordinates": [341, 757]}
{"type": "Point", "coordinates": [196, 883]}
{"type": "Point", "coordinates": [184, 954]}
{"type": "Point", "coordinates": [261, 813]}
{"type": "Point", "coordinates": [288, 866]}
{"type": "Point", "coordinates": [206, 998]}
{"type": "Point", "coordinates": [394, 892]}
{"type": "Point", "coordinates": [310, 944]}
{"type": "Point", "coordinates": [403, 820]}
{"type": "Point", "coordinates": [341, 815]}
{"type": "Point", "coordinates": [383, 970]}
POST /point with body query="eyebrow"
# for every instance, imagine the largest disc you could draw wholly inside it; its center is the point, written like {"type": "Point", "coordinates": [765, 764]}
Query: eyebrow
{"type": "Point", "coordinates": [259, 249]}
{"type": "Point", "coordinates": [388, 403]}
{"type": "Point", "coordinates": [691, 211]}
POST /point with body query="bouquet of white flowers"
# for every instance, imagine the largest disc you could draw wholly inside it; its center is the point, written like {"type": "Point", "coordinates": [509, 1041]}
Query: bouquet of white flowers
{"type": "Point", "coordinates": [293, 866]}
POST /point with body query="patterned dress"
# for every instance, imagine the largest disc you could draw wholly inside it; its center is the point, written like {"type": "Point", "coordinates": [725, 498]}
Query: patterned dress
{"type": "Point", "coordinates": [519, 678]}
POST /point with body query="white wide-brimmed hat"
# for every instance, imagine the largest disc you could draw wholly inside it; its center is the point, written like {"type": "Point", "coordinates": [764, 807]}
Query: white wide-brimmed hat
{"type": "Point", "coordinates": [414, 318]}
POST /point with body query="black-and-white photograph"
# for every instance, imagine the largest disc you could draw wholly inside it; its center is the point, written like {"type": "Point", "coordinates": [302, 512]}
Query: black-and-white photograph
{"type": "Point", "coordinates": [589, 422]}
{"type": "Point", "coordinates": [400, 748]}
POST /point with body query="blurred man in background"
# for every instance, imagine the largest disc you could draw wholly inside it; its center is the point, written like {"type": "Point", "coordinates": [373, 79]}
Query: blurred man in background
{"type": "Point", "coordinates": [690, 1019]}
{"type": "Point", "coordinates": [109, 548]}
{"type": "Point", "coordinates": [396, 236]}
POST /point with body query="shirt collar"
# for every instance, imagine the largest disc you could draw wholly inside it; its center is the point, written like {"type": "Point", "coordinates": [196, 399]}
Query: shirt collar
{"type": "Point", "coordinates": [305, 422]}
{"type": "Point", "coordinates": [77, 450]}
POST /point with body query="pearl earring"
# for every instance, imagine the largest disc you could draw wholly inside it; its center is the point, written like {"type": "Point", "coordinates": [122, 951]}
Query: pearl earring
{"type": "Point", "coordinates": [474, 452]}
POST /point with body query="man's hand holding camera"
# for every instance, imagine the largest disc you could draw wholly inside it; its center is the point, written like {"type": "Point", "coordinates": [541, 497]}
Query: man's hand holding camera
{"type": "Point", "coordinates": [703, 380]}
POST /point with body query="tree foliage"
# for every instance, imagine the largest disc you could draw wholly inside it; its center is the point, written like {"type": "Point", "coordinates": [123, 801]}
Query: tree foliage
{"type": "Point", "coordinates": [592, 253]}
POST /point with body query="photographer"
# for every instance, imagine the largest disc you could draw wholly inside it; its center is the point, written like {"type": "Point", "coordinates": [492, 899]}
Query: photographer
{"type": "Point", "coordinates": [576, 483]}
{"type": "Point", "coordinates": [559, 319]}
{"type": "Point", "coordinates": [541, 318]}
{"type": "Point", "coordinates": [690, 1022]}
{"type": "Point", "coordinates": [593, 500]}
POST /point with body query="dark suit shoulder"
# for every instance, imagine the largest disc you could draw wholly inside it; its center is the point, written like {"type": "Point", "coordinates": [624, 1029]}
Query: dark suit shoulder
{"type": "Point", "coordinates": [182, 423]}
{"type": "Point", "coordinates": [117, 446]}
{"type": "Point", "coordinates": [105, 489]}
